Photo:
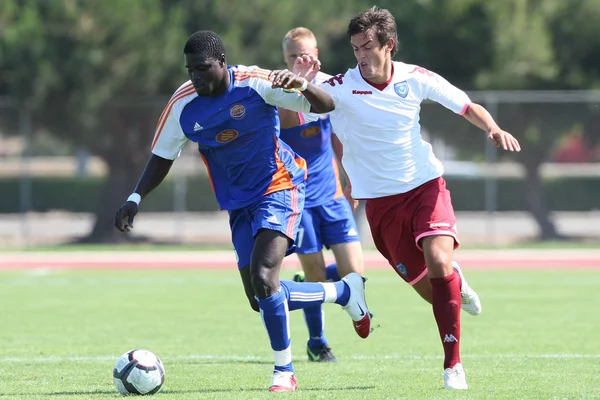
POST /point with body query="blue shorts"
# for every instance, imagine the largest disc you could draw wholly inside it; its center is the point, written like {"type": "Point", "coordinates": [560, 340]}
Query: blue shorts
{"type": "Point", "coordinates": [326, 225]}
{"type": "Point", "coordinates": [278, 211]}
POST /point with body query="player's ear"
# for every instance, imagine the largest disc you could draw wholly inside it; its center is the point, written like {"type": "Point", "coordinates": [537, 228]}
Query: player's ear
{"type": "Point", "coordinates": [389, 46]}
{"type": "Point", "coordinates": [222, 60]}
{"type": "Point", "coordinates": [317, 53]}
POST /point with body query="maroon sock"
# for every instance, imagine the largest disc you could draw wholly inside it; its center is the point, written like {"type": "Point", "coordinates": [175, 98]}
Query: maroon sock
{"type": "Point", "coordinates": [446, 309]}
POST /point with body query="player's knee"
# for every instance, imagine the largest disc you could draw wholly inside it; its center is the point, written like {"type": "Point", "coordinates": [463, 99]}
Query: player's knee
{"type": "Point", "coordinates": [265, 282]}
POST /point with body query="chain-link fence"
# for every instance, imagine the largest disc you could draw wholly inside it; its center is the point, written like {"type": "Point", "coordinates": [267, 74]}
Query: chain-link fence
{"type": "Point", "coordinates": [52, 184]}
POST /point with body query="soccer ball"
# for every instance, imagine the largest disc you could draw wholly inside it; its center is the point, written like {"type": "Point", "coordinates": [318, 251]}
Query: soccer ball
{"type": "Point", "coordinates": [138, 372]}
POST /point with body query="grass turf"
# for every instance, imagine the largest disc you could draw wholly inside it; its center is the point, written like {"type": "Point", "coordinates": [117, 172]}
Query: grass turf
{"type": "Point", "coordinates": [61, 332]}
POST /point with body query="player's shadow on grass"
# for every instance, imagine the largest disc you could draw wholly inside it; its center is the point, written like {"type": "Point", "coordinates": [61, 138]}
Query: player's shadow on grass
{"type": "Point", "coordinates": [222, 362]}
{"type": "Point", "coordinates": [87, 392]}
{"type": "Point", "coordinates": [303, 389]}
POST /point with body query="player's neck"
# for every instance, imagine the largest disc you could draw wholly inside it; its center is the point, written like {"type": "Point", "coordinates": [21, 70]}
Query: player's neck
{"type": "Point", "coordinates": [223, 86]}
{"type": "Point", "coordinates": [385, 75]}
{"type": "Point", "coordinates": [383, 79]}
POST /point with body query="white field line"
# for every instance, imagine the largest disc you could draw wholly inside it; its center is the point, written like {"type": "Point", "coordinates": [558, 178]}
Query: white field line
{"type": "Point", "coordinates": [505, 356]}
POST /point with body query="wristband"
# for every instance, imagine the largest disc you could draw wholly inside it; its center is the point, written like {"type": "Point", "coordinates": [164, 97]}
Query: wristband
{"type": "Point", "coordinates": [135, 197]}
{"type": "Point", "coordinates": [303, 87]}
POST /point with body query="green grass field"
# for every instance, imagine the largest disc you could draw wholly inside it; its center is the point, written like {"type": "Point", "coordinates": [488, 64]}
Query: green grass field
{"type": "Point", "coordinates": [61, 332]}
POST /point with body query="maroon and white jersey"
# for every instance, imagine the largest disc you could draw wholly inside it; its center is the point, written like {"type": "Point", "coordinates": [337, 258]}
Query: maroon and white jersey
{"type": "Point", "coordinates": [384, 153]}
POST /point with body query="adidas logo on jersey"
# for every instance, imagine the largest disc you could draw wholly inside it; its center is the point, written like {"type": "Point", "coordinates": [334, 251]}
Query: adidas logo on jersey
{"type": "Point", "coordinates": [197, 127]}
{"type": "Point", "coordinates": [450, 338]}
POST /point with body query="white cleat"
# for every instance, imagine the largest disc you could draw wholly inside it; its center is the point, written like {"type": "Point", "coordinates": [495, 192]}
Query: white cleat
{"type": "Point", "coordinates": [469, 299]}
{"type": "Point", "coordinates": [283, 382]}
{"type": "Point", "coordinates": [454, 378]}
{"type": "Point", "coordinates": [357, 305]}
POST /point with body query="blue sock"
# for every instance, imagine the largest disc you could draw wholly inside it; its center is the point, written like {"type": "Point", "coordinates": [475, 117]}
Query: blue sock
{"type": "Point", "coordinates": [315, 321]}
{"type": "Point", "coordinates": [309, 294]}
{"type": "Point", "coordinates": [274, 312]}
{"type": "Point", "coordinates": [331, 273]}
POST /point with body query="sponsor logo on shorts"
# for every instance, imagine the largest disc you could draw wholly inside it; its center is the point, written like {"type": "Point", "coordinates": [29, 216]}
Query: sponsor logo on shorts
{"type": "Point", "coordinates": [401, 269]}
{"type": "Point", "coordinates": [237, 111]}
{"type": "Point", "coordinates": [226, 136]}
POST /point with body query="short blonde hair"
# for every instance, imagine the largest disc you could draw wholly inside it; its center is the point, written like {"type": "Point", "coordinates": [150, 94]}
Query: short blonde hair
{"type": "Point", "coordinates": [298, 33]}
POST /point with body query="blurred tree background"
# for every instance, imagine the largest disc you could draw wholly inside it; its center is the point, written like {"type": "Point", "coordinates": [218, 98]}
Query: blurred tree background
{"type": "Point", "coordinates": [94, 63]}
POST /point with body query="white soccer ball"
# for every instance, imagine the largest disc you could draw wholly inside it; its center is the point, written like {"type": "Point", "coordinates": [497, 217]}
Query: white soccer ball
{"type": "Point", "coordinates": [138, 372]}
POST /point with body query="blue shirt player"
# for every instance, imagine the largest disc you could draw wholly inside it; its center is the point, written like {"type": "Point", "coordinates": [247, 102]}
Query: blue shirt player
{"type": "Point", "coordinates": [327, 218]}
{"type": "Point", "coordinates": [230, 112]}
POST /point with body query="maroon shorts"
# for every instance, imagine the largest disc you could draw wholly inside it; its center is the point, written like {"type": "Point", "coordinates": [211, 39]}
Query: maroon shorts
{"type": "Point", "coordinates": [400, 221]}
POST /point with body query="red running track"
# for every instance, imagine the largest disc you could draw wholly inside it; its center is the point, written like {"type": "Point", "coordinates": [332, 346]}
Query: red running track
{"type": "Point", "coordinates": [469, 259]}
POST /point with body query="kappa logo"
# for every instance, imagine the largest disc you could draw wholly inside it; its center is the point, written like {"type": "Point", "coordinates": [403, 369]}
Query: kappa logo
{"type": "Point", "coordinates": [226, 136]}
{"type": "Point", "coordinates": [448, 338]}
{"type": "Point", "coordinates": [197, 127]}
{"type": "Point", "coordinates": [310, 131]}
{"type": "Point", "coordinates": [237, 111]}
{"type": "Point", "coordinates": [401, 89]}
{"type": "Point", "coordinates": [362, 92]}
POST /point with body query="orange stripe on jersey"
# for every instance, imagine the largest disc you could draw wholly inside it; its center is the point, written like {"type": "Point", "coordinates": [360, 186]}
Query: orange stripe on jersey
{"type": "Point", "coordinates": [301, 163]}
{"type": "Point", "coordinates": [252, 71]}
{"type": "Point", "coordinates": [339, 192]}
{"type": "Point", "coordinates": [289, 231]}
{"type": "Point", "coordinates": [243, 75]}
{"type": "Point", "coordinates": [177, 92]}
{"type": "Point", "coordinates": [281, 178]}
{"type": "Point", "coordinates": [208, 170]}
{"type": "Point", "coordinates": [165, 115]}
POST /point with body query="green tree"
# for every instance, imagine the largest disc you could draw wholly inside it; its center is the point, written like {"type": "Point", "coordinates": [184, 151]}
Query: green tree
{"type": "Point", "coordinates": [84, 66]}
{"type": "Point", "coordinates": [530, 45]}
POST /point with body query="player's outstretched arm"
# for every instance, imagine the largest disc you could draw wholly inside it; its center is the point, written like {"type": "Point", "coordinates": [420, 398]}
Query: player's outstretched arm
{"type": "Point", "coordinates": [156, 170]}
{"type": "Point", "coordinates": [481, 118]}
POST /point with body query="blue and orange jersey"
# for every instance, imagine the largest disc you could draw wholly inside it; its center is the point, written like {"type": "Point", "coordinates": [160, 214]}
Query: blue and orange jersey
{"type": "Point", "coordinates": [312, 141]}
{"type": "Point", "coordinates": [237, 134]}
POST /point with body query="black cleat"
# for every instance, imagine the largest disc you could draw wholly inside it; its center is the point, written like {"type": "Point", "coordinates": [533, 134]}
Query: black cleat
{"type": "Point", "coordinates": [320, 354]}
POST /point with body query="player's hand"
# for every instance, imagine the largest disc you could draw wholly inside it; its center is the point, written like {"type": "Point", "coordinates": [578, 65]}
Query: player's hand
{"type": "Point", "coordinates": [285, 79]}
{"type": "Point", "coordinates": [351, 200]}
{"type": "Point", "coordinates": [307, 67]}
{"type": "Point", "coordinates": [126, 212]}
{"type": "Point", "coordinates": [500, 138]}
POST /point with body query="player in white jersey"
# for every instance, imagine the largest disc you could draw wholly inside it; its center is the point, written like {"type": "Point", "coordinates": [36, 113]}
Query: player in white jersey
{"type": "Point", "coordinates": [389, 164]}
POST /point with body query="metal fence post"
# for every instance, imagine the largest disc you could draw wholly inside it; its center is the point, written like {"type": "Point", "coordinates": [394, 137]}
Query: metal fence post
{"type": "Point", "coordinates": [491, 182]}
{"type": "Point", "coordinates": [25, 192]}
{"type": "Point", "coordinates": [179, 203]}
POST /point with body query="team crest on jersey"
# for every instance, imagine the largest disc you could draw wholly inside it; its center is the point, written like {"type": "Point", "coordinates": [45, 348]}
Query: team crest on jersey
{"type": "Point", "coordinates": [401, 89]}
{"type": "Point", "coordinates": [226, 136]}
{"type": "Point", "coordinates": [237, 111]}
{"type": "Point", "coordinates": [310, 131]}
